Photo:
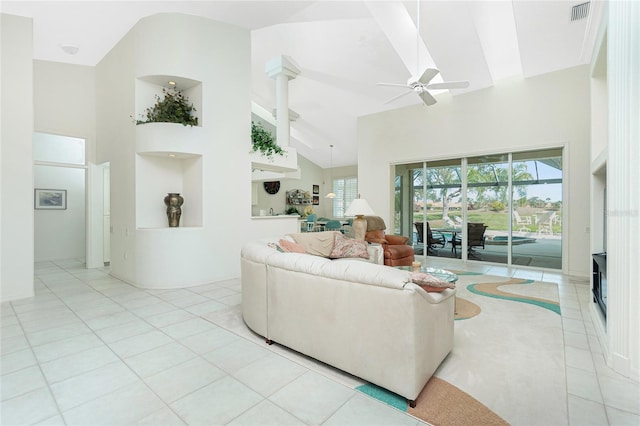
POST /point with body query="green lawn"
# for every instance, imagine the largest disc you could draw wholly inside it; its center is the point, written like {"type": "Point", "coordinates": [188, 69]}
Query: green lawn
{"type": "Point", "coordinates": [498, 221]}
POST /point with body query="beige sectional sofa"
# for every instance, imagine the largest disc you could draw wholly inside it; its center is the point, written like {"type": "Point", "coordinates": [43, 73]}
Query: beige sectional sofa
{"type": "Point", "coordinates": [363, 318]}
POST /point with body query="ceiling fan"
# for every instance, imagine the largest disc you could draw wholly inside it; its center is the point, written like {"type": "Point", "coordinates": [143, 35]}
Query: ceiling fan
{"type": "Point", "coordinates": [421, 85]}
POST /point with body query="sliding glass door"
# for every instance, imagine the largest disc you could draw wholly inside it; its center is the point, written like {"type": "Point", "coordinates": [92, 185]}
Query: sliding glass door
{"type": "Point", "coordinates": [488, 200]}
{"type": "Point", "coordinates": [537, 213]}
{"type": "Point", "coordinates": [501, 208]}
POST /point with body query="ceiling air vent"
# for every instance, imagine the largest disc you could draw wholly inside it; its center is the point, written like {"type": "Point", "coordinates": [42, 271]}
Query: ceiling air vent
{"type": "Point", "coordinates": [580, 11]}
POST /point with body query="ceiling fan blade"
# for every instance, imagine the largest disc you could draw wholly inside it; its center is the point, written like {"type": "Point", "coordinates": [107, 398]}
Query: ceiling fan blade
{"type": "Point", "coordinates": [449, 85]}
{"type": "Point", "coordinates": [427, 98]}
{"type": "Point", "coordinates": [398, 96]}
{"type": "Point", "coordinates": [428, 75]}
{"type": "Point", "coordinates": [392, 84]}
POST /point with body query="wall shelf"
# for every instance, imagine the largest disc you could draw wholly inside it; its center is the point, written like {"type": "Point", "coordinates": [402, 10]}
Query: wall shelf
{"type": "Point", "coordinates": [169, 157]}
{"type": "Point", "coordinates": [158, 175]}
{"type": "Point", "coordinates": [169, 138]}
{"type": "Point", "coordinates": [150, 86]}
{"type": "Point", "coordinates": [299, 197]}
{"type": "Point", "coordinates": [286, 163]}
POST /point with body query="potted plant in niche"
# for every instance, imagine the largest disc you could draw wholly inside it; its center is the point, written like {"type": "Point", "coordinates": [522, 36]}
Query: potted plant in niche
{"type": "Point", "coordinates": [173, 107]}
{"type": "Point", "coordinates": [262, 141]}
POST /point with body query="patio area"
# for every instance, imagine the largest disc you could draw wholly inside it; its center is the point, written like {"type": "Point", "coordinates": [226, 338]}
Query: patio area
{"type": "Point", "coordinates": [544, 251]}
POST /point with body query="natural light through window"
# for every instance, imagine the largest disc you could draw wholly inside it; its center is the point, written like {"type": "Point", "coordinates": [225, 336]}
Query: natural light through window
{"type": "Point", "coordinates": [346, 190]}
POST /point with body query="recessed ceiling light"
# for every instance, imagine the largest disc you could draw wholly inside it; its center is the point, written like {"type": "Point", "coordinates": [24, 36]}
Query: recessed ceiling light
{"type": "Point", "coordinates": [70, 49]}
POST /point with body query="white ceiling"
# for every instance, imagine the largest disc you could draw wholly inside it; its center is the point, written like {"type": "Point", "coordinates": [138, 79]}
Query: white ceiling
{"type": "Point", "coordinates": [343, 49]}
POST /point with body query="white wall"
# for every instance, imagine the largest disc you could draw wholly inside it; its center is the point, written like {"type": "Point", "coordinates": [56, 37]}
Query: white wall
{"type": "Point", "coordinates": [219, 57]}
{"type": "Point", "coordinates": [60, 234]}
{"type": "Point", "coordinates": [16, 158]}
{"type": "Point", "coordinates": [64, 100]}
{"type": "Point", "coordinates": [514, 115]}
{"type": "Point", "coordinates": [311, 175]}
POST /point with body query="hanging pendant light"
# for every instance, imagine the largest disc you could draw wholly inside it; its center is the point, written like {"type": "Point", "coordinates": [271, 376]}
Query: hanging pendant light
{"type": "Point", "coordinates": [331, 194]}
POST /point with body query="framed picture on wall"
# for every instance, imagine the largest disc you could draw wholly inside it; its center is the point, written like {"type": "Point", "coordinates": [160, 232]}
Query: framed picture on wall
{"type": "Point", "coordinates": [50, 199]}
{"type": "Point", "coordinates": [316, 200]}
{"type": "Point", "coordinates": [316, 189]}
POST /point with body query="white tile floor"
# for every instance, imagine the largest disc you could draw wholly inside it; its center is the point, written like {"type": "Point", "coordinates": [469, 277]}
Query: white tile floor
{"type": "Point", "coordinates": [595, 394]}
{"type": "Point", "coordinates": [89, 349]}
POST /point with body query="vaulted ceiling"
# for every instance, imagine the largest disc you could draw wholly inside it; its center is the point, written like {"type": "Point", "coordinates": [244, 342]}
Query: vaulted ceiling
{"type": "Point", "coordinates": [344, 48]}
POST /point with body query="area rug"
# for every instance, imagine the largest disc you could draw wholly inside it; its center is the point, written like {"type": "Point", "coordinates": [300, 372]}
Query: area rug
{"type": "Point", "coordinates": [465, 309]}
{"type": "Point", "coordinates": [491, 290]}
{"type": "Point", "coordinates": [439, 403]}
{"type": "Point", "coordinates": [511, 338]}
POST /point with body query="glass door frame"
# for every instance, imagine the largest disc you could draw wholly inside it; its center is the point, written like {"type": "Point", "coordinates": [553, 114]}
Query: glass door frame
{"type": "Point", "coordinates": [407, 192]}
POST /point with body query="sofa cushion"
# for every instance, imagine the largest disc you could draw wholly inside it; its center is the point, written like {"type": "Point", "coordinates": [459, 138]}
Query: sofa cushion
{"type": "Point", "coordinates": [290, 247]}
{"type": "Point", "coordinates": [316, 243]}
{"type": "Point", "coordinates": [348, 247]}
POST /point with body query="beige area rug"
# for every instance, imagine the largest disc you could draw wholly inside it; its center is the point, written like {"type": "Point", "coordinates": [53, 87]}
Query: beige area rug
{"type": "Point", "coordinates": [465, 309]}
{"type": "Point", "coordinates": [441, 403]}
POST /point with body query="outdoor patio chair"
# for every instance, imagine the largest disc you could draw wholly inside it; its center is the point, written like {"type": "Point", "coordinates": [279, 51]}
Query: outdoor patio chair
{"type": "Point", "coordinates": [522, 222]}
{"type": "Point", "coordinates": [435, 239]}
{"type": "Point", "coordinates": [544, 221]}
{"type": "Point", "coordinates": [475, 237]}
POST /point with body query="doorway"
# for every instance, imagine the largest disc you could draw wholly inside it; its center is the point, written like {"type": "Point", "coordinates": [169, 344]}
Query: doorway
{"type": "Point", "coordinates": [59, 198]}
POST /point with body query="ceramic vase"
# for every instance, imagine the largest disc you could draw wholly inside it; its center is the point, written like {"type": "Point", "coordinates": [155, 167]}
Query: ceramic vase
{"type": "Point", "coordinates": [173, 201]}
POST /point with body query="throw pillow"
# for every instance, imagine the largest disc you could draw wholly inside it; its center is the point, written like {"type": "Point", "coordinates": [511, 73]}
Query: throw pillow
{"type": "Point", "coordinates": [316, 243]}
{"type": "Point", "coordinates": [430, 283]}
{"type": "Point", "coordinates": [276, 247]}
{"type": "Point", "coordinates": [348, 247]}
{"type": "Point", "coordinates": [290, 247]}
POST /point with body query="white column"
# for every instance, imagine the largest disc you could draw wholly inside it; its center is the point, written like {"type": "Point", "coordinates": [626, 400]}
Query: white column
{"type": "Point", "coordinates": [282, 69]}
{"type": "Point", "coordinates": [623, 183]}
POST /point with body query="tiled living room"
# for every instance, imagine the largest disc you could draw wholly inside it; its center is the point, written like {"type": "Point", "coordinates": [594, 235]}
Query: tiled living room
{"type": "Point", "coordinates": [123, 303]}
{"type": "Point", "coordinates": [90, 349]}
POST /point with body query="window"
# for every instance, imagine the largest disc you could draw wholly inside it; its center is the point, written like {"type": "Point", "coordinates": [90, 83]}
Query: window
{"type": "Point", "coordinates": [346, 190]}
{"type": "Point", "coordinates": [517, 197]}
{"type": "Point", "coordinates": [58, 149]}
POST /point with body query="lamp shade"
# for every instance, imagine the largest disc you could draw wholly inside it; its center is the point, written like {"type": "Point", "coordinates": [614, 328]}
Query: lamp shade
{"type": "Point", "coordinates": [359, 206]}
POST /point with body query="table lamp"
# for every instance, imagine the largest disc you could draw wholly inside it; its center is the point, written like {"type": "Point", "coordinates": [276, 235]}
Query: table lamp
{"type": "Point", "coordinates": [359, 208]}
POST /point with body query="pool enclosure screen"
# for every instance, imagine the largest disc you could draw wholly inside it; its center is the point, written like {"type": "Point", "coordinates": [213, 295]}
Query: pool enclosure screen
{"type": "Point", "coordinates": [500, 208]}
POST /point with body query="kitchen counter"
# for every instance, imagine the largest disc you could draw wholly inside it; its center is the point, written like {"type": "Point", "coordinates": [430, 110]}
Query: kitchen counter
{"type": "Point", "coordinates": [282, 216]}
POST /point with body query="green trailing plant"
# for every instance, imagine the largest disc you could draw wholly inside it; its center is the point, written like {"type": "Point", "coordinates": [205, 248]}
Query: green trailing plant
{"type": "Point", "coordinates": [173, 107]}
{"type": "Point", "coordinates": [263, 142]}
